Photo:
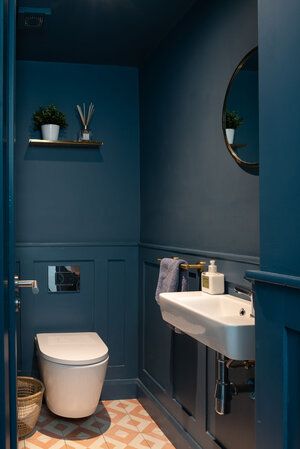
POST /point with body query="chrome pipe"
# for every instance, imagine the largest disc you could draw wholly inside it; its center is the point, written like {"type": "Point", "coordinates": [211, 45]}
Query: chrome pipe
{"type": "Point", "coordinates": [223, 390]}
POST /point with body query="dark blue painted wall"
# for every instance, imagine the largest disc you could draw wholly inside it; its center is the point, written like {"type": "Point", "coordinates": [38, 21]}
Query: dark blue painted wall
{"type": "Point", "coordinates": [193, 193]}
{"type": "Point", "coordinates": [107, 302]}
{"type": "Point", "coordinates": [278, 284]}
{"type": "Point", "coordinates": [78, 195]}
{"type": "Point", "coordinates": [279, 118]}
{"type": "Point", "coordinates": [80, 205]}
{"type": "Point", "coordinates": [8, 412]}
{"type": "Point", "coordinates": [195, 203]}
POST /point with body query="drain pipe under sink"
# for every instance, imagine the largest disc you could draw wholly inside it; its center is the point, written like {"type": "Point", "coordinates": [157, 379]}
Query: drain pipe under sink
{"type": "Point", "coordinates": [225, 389]}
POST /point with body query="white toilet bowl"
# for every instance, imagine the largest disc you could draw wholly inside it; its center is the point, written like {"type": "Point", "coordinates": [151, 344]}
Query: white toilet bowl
{"type": "Point", "coordinates": [73, 367]}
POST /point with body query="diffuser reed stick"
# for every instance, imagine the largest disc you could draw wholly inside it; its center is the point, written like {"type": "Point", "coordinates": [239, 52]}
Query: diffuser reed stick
{"type": "Point", "coordinates": [86, 117]}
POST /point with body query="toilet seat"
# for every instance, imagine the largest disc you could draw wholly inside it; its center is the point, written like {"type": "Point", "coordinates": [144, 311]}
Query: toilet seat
{"type": "Point", "coordinates": [78, 348]}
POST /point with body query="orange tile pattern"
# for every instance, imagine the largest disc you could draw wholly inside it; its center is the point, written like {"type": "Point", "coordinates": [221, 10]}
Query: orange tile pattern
{"type": "Point", "coordinates": [121, 424]}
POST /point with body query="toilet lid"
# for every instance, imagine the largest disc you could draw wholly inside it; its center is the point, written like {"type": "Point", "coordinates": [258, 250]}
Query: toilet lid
{"type": "Point", "coordinates": [79, 348]}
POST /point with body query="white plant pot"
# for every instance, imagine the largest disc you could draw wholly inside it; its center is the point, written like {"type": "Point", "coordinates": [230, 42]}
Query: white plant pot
{"type": "Point", "coordinates": [230, 135]}
{"type": "Point", "coordinates": [50, 132]}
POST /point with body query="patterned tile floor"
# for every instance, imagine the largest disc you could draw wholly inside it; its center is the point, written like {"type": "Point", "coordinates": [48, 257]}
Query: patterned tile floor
{"type": "Point", "coordinates": [122, 424]}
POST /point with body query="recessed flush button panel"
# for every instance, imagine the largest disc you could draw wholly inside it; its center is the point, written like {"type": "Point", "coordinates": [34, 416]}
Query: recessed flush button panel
{"type": "Point", "coordinates": [63, 278]}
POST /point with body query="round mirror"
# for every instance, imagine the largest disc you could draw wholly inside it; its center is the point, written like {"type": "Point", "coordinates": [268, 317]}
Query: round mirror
{"type": "Point", "coordinates": [240, 112]}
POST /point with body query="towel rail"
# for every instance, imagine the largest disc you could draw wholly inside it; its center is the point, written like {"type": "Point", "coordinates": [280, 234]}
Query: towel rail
{"type": "Point", "coordinates": [190, 266]}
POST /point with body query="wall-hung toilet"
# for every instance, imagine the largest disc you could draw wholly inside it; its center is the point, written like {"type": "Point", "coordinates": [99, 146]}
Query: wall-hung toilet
{"type": "Point", "coordinates": [73, 367]}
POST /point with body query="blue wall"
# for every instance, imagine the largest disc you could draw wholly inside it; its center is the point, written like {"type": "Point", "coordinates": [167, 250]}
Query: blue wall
{"type": "Point", "coordinates": [71, 195]}
{"type": "Point", "coordinates": [193, 193]}
{"type": "Point", "coordinates": [80, 205]}
{"type": "Point", "coordinates": [195, 203]}
{"type": "Point", "coordinates": [107, 302]}
{"type": "Point", "coordinates": [278, 282]}
{"type": "Point", "coordinates": [279, 119]}
{"type": "Point", "coordinates": [8, 406]}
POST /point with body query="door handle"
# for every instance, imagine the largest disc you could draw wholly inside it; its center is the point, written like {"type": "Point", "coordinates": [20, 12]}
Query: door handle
{"type": "Point", "coordinates": [27, 284]}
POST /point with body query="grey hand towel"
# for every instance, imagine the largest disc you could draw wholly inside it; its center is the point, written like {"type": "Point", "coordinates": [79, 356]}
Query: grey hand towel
{"type": "Point", "coordinates": [171, 278]}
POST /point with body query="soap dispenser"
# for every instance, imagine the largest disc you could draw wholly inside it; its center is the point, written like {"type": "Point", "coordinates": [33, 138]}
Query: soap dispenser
{"type": "Point", "coordinates": [212, 282]}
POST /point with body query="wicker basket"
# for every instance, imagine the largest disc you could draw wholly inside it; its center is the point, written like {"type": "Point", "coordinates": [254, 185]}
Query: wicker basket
{"type": "Point", "coordinates": [29, 399]}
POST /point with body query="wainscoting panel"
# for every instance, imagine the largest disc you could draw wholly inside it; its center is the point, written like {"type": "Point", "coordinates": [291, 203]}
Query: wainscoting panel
{"type": "Point", "coordinates": [292, 386]}
{"type": "Point", "coordinates": [184, 367]}
{"type": "Point", "coordinates": [157, 336]}
{"type": "Point", "coordinates": [278, 361]}
{"type": "Point", "coordinates": [106, 303]}
{"type": "Point", "coordinates": [117, 310]}
{"type": "Point", "coordinates": [181, 373]}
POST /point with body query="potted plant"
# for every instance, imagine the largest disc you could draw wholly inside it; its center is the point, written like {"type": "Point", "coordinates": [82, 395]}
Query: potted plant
{"type": "Point", "coordinates": [49, 120]}
{"type": "Point", "coordinates": [233, 121]}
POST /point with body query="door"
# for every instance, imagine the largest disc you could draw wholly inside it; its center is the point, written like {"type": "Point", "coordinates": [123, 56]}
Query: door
{"type": "Point", "coordinates": [8, 421]}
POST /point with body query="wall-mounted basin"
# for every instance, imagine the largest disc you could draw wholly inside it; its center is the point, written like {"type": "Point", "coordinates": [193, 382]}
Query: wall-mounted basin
{"type": "Point", "coordinates": [222, 322]}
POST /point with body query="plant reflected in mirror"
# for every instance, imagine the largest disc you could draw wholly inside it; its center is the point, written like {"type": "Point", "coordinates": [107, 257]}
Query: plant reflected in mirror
{"type": "Point", "coordinates": [240, 113]}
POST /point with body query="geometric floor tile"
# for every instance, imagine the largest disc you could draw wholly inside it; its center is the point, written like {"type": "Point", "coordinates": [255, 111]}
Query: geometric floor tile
{"type": "Point", "coordinates": [81, 442]}
{"type": "Point", "coordinates": [42, 441]}
{"type": "Point", "coordinates": [118, 424]}
{"type": "Point", "coordinates": [154, 442]}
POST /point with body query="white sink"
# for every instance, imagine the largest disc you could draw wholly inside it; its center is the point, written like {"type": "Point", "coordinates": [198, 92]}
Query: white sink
{"type": "Point", "coordinates": [216, 321]}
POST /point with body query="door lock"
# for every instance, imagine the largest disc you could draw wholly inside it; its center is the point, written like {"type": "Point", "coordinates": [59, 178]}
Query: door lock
{"type": "Point", "coordinates": [17, 304]}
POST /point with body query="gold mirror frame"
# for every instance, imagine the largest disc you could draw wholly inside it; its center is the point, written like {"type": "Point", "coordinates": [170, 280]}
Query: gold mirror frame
{"type": "Point", "coordinates": [238, 160]}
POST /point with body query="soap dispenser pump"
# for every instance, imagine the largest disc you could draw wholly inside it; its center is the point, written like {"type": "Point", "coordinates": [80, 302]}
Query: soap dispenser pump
{"type": "Point", "coordinates": [212, 282]}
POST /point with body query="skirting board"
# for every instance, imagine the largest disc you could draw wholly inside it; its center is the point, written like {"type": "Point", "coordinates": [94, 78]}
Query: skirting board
{"type": "Point", "coordinates": [119, 389]}
{"type": "Point", "coordinates": [170, 426]}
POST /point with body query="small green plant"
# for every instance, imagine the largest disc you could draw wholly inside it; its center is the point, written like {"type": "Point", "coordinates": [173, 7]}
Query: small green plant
{"type": "Point", "coordinates": [49, 115]}
{"type": "Point", "coordinates": [233, 120]}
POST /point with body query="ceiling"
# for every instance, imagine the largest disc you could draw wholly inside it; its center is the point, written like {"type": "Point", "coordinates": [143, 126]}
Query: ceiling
{"type": "Point", "coordinates": [121, 32]}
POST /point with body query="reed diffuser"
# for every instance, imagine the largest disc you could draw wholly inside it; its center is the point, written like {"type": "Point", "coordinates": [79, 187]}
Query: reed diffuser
{"type": "Point", "coordinates": [85, 117]}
